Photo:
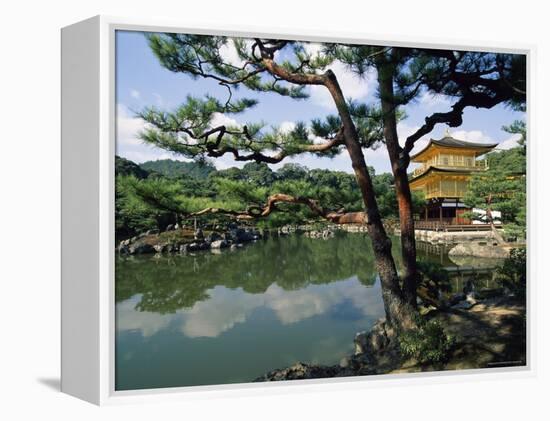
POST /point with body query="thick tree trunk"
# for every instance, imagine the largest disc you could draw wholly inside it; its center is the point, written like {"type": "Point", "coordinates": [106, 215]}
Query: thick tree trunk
{"type": "Point", "coordinates": [398, 312]}
{"type": "Point", "coordinates": [408, 241]}
{"type": "Point", "coordinates": [402, 188]}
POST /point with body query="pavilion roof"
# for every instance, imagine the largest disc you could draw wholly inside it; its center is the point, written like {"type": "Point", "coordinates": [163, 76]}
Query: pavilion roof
{"type": "Point", "coordinates": [450, 142]}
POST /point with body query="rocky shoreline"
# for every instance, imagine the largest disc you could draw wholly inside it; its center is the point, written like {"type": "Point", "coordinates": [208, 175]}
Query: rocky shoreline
{"type": "Point", "coordinates": [489, 332]}
{"type": "Point", "coordinates": [179, 241]}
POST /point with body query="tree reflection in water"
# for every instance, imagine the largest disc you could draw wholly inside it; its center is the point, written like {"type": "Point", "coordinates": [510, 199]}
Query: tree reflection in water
{"type": "Point", "coordinates": [168, 283]}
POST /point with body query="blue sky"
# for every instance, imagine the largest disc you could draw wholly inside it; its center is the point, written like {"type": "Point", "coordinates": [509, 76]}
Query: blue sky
{"type": "Point", "coordinates": [141, 81]}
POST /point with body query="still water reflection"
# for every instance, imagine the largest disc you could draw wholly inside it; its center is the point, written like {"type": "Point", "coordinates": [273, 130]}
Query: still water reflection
{"type": "Point", "coordinates": [232, 316]}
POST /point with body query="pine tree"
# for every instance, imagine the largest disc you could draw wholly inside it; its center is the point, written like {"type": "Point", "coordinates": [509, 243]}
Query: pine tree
{"type": "Point", "coordinates": [285, 68]}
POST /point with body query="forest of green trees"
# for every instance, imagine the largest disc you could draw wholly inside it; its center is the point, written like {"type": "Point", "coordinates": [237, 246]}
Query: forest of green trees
{"type": "Point", "coordinates": [152, 195]}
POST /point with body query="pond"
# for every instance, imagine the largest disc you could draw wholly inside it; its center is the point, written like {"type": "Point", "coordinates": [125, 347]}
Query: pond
{"type": "Point", "coordinates": [231, 316]}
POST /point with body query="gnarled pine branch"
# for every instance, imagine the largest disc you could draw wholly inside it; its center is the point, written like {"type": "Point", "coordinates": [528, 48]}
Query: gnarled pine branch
{"type": "Point", "coordinates": [254, 212]}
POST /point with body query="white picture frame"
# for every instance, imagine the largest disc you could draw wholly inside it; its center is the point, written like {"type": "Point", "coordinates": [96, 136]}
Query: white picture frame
{"type": "Point", "coordinates": [88, 150]}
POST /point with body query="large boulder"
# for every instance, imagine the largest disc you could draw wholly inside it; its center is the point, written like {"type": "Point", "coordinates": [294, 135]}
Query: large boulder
{"type": "Point", "coordinates": [197, 245]}
{"type": "Point", "coordinates": [374, 341]}
{"type": "Point", "coordinates": [166, 247]}
{"type": "Point", "coordinates": [300, 371]}
{"type": "Point", "coordinates": [328, 233]}
{"type": "Point", "coordinates": [239, 235]}
{"type": "Point", "coordinates": [213, 237]}
{"type": "Point", "coordinates": [160, 248]}
{"type": "Point", "coordinates": [123, 248]}
{"type": "Point", "coordinates": [479, 250]}
{"type": "Point", "coordinates": [219, 244]}
{"type": "Point", "coordinates": [140, 248]}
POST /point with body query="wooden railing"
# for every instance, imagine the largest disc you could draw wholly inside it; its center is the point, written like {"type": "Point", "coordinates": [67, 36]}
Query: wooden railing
{"type": "Point", "coordinates": [433, 224]}
{"type": "Point", "coordinates": [448, 224]}
{"type": "Point", "coordinates": [478, 165]}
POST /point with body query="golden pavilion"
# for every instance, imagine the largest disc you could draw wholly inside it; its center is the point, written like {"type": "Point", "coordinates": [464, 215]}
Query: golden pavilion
{"type": "Point", "coordinates": [446, 167]}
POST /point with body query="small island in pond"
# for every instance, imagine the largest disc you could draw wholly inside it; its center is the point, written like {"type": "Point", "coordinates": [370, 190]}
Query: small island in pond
{"type": "Point", "coordinates": [292, 210]}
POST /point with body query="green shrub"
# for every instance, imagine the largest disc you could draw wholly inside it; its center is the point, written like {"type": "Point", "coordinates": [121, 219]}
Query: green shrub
{"type": "Point", "coordinates": [513, 272]}
{"type": "Point", "coordinates": [428, 343]}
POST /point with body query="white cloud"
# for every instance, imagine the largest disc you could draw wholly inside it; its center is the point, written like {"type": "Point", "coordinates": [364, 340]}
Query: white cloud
{"type": "Point", "coordinates": [128, 144]}
{"type": "Point", "coordinates": [472, 136]}
{"type": "Point", "coordinates": [428, 100]}
{"type": "Point", "coordinates": [287, 126]}
{"type": "Point", "coordinates": [352, 85]}
{"type": "Point", "coordinates": [227, 161]}
{"type": "Point", "coordinates": [128, 127]}
{"type": "Point", "coordinates": [147, 323]}
{"type": "Point", "coordinates": [220, 313]}
{"type": "Point", "coordinates": [404, 130]}
{"type": "Point", "coordinates": [313, 48]}
{"type": "Point", "coordinates": [135, 94]}
{"type": "Point", "coordinates": [227, 307]}
{"type": "Point", "coordinates": [293, 306]}
{"type": "Point", "coordinates": [228, 53]}
{"type": "Point", "coordinates": [509, 143]}
{"type": "Point", "coordinates": [219, 119]}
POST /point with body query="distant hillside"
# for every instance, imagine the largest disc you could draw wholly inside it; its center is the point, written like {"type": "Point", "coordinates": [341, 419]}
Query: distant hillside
{"type": "Point", "coordinates": [124, 166]}
{"type": "Point", "coordinates": [176, 169]}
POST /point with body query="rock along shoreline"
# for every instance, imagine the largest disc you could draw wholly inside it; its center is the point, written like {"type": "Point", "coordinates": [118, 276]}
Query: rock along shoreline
{"type": "Point", "coordinates": [177, 240]}
{"type": "Point", "coordinates": [489, 333]}
{"type": "Point", "coordinates": [174, 240]}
